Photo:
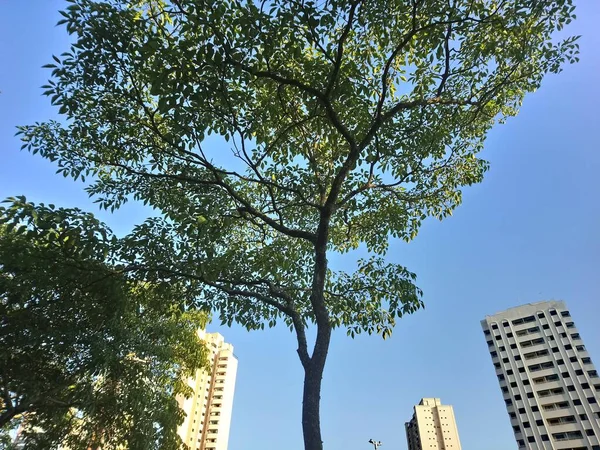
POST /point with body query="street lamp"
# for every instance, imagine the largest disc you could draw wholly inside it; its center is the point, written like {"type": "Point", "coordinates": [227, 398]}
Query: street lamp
{"type": "Point", "coordinates": [376, 444]}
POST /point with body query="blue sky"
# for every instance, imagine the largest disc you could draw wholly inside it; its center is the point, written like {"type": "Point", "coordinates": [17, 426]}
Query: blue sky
{"type": "Point", "coordinates": [529, 232]}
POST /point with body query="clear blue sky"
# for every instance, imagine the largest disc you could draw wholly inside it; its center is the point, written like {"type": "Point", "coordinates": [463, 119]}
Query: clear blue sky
{"type": "Point", "coordinates": [529, 232]}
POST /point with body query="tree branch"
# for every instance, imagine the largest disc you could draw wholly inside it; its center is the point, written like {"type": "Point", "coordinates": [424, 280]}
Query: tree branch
{"type": "Point", "coordinates": [340, 49]}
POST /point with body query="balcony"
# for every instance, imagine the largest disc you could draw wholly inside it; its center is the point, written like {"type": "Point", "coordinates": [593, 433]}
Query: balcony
{"type": "Point", "coordinates": [573, 443]}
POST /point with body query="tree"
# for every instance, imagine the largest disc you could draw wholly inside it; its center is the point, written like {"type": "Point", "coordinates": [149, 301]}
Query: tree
{"type": "Point", "coordinates": [88, 354]}
{"type": "Point", "coordinates": [349, 122]}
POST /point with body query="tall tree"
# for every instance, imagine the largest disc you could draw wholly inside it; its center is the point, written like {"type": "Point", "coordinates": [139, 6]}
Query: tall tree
{"type": "Point", "coordinates": [349, 122]}
{"type": "Point", "coordinates": [87, 354]}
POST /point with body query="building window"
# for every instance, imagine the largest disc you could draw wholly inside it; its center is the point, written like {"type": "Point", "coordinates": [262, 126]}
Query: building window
{"type": "Point", "coordinates": [533, 355]}
{"type": "Point", "coordinates": [486, 332]}
{"type": "Point", "coordinates": [593, 374]}
{"type": "Point", "coordinates": [571, 388]}
{"type": "Point", "coordinates": [591, 400]}
{"type": "Point", "coordinates": [541, 315]}
{"type": "Point", "coordinates": [502, 348]}
{"type": "Point", "coordinates": [583, 416]}
{"type": "Point", "coordinates": [554, 406]}
{"type": "Point", "coordinates": [577, 402]}
{"type": "Point", "coordinates": [505, 360]}
{"type": "Point", "coordinates": [494, 326]}
{"type": "Point", "coordinates": [530, 439]}
{"type": "Point", "coordinates": [541, 366]}
{"type": "Point", "coordinates": [557, 323]}
{"type": "Point", "coordinates": [545, 437]}
{"type": "Point", "coordinates": [589, 432]}
{"type": "Point", "coordinates": [579, 372]}
{"type": "Point", "coordinates": [555, 350]}
{"type": "Point", "coordinates": [523, 320]}
{"type": "Point", "coordinates": [546, 326]}
{"type": "Point", "coordinates": [549, 392]}
{"type": "Point", "coordinates": [567, 436]}
{"type": "Point", "coordinates": [534, 408]}
{"type": "Point", "coordinates": [568, 347]}
{"type": "Point", "coordinates": [528, 331]}
{"type": "Point", "coordinates": [570, 325]}
{"type": "Point", "coordinates": [573, 359]}
{"type": "Point", "coordinates": [576, 336]}
{"type": "Point", "coordinates": [521, 369]}
{"type": "Point", "coordinates": [561, 420]}
{"type": "Point", "coordinates": [517, 397]}
{"type": "Point", "coordinates": [531, 342]}
{"type": "Point", "coordinates": [509, 335]}
{"type": "Point", "coordinates": [580, 348]}
{"type": "Point", "coordinates": [586, 360]}
{"type": "Point", "coordinates": [546, 379]}
{"type": "Point", "coordinates": [565, 314]}
{"type": "Point", "coordinates": [539, 422]}
{"type": "Point", "coordinates": [521, 410]}
{"type": "Point", "coordinates": [552, 312]}
{"type": "Point", "coordinates": [509, 372]}
{"type": "Point", "coordinates": [505, 323]}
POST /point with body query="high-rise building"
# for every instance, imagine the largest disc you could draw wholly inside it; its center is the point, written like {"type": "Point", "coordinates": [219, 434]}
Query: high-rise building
{"type": "Point", "coordinates": [432, 427]}
{"type": "Point", "coordinates": [208, 410]}
{"type": "Point", "coordinates": [548, 381]}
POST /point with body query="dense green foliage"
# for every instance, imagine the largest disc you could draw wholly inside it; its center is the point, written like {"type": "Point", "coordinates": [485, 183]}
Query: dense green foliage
{"type": "Point", "coordinates": [349, 122]}
{"type": "Point", "coordinates": [87, 353]}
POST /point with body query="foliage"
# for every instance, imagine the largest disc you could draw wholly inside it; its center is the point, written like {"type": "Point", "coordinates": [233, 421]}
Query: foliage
{"type": "Point", "coordinates": [87, 353]}
{"type": "Point", "coordinates": [350, 122]}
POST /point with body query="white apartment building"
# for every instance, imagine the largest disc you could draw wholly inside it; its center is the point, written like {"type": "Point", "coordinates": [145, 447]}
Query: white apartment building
{"type": "Point", "coordinates": [432, 427]}
{"type": "Point", "coordinates": [208, 410]}
{"type": "Point", "coordinates": [550, 386]}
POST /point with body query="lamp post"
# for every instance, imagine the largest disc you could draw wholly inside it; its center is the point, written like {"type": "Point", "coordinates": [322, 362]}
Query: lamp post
{"type": "Point", "coordinates": [376, 444]}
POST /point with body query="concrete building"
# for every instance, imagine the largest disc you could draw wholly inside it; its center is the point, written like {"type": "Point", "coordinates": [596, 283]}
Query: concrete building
{"type": "Point", "coordinates": [432, 427]}
{"type": "Point", "coordinates": [208, 410]}
{"type": "Point", "coordinates": [547, 378]}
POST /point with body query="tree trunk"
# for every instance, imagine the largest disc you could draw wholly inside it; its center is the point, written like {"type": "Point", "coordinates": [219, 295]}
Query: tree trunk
{"type": "Point", "coordinates": [311, 399]}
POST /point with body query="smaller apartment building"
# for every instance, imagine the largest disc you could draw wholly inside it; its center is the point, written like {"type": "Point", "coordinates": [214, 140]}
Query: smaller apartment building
{"type": "Point", "coordinates": [208, 411]}
{"type": "Point", "coordinates": [432, 427]}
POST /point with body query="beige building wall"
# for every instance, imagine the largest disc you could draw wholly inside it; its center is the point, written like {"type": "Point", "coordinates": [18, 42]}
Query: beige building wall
{"type": "Point", "coordinates": [208, 411]}
{"type": "Point", "coordinates": [432, 427]}
{"type": "Point", "coordinates": [548, 382]}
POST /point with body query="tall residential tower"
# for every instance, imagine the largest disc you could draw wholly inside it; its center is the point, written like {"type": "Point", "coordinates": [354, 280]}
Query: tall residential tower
{"type": "Point", "coordinates": [548, 381]}
{"type": "Point", "coordinates": [208, 410]}
{"type": "Point", "coordinates": [432, 427]}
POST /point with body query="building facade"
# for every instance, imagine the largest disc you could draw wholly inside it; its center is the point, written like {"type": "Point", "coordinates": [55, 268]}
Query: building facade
{"type": "Point", "coordinates": [550, 386]}
{"type": "Point", "coordinates": [432, 427]}
{"type": "Point", "coordinates": [208, 410]}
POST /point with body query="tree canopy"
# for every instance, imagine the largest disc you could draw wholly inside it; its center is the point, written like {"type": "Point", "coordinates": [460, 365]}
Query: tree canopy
{"type": "Point", "coordinates": [348, 123]}
{"type": "Point", "coordinates": [88, 354]}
